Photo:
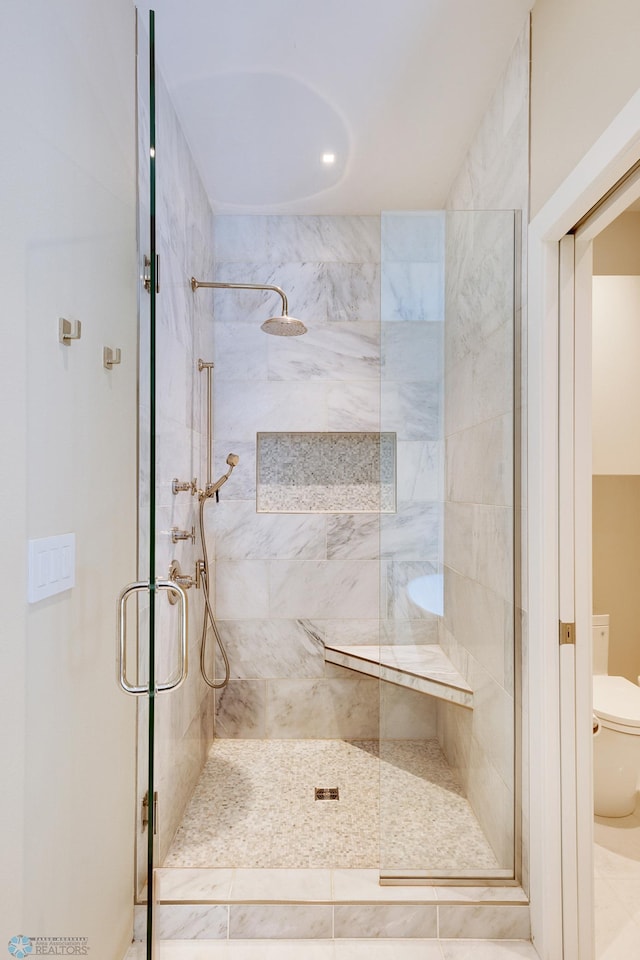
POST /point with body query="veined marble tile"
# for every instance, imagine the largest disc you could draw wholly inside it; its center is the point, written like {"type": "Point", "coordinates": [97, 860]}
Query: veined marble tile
{"type": "Point", "coordinates": [482, 622]}
{"type": "Point", "coordinates": [242, 484]}
{"type": "Point", "coordinates": [510, 922]}
{"type": "Point", "coordinates": [493, 530]}
{"type": "Point", "coordinates": [353, 886]}
{"type": "Point", "coordinates": [192, 885]}
{"type": "Point", "coordinates": [413, 236]}
{"type": "Point", "coordinates": [479, 463]}
{"type": "Point", "coordinates": [243, 534]}
{"type": "Point", "coordinates": [292, 237]}
{"type": "Point", "coordinates": [351, 239]}
{"type": "Point", "coordinates": [328, 708]}
{"type": "Point", "coordinates": [412, 291]}
{"type": "Point", "coordinates": [242, 589]}
{"type": "Point", "coordinates": [412, 351]}
{"type": "Point", "coordinates": [419, 668]}
{"type": "Point", "coordinates": [240, 352]}
{"type": "Point", "coordinates": [397, 576]}
{"type": "Point", "coordinates": [388, 920]}
{"type": "Point", "coordinates": [240, 710]}
{"type": "Point", "coordinates": [307, 885]}
{"type": "Point", "coordinates": [239, 237]}
{"type": "Point", "coordinates": [342, 238]}
{"type": "Point", "coordinates": [493, 803]}
{"type": "Point", "coordinates": [406, 714]}
{"type": "Point", "coordinates": [302, 283]}
{"type": "Point", "coordinates": [489, 532]}
{"type": "Point", "coordinates": [459, 530]}
{"type": "Point", "coordinates": [354, 406]}
{"type": "Point", "coordinates": [411, 410]}
{"type": "Point", "coordinates": [192, 921]}
{"type": "Point", "coordinates": [409, 631]}
{"type": "Point", "coordinates": [483, 383]}
{"type": "Point", "coordinates": [332, 588]}
{"type": "Point", "coordinates": [414, 532]}
{"type": "Point", "coordinates": [353, 292]}
{"type": "Point", "coordinates": [480, 277]}
{"type": "Point", "coordinates": [420, 470]}
{"type": "Point", "coordinates": [352, 632]}
{"type": "Point", "coordinates": [271, 648]}
{"type": "Point", "coordinates": [483, 894]}
{"type": "Point", "coordinates": [494, 722]}
{"type": "Point", "coordinates": [261, 921]}
{"type": "Point", "coordinates": [353, 536]}
{"type": "Point", "coordinates": [328, 351]}
{"type": "Point", "coordinates": [245, 409]}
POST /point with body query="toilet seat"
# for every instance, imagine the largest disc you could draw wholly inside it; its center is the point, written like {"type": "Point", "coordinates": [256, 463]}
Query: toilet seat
{"type": "Point", "coordinates": [616, 701]}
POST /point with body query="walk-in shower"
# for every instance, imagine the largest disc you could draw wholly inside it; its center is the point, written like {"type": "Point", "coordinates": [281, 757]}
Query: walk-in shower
{"type": "Point", "coordinates": [376, 458]}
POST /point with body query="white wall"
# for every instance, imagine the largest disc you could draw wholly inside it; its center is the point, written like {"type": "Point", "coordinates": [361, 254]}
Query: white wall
{"type": "Point", "coordinates": [67, 249]}
{"type": "Point", "coordinates": [584, 69]}
{"type": "Point", "coordinates": [616, 385]}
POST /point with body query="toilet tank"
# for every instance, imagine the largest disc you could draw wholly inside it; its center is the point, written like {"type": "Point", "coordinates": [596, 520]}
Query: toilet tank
{"type": "Point", "coordinates": [601, 643]}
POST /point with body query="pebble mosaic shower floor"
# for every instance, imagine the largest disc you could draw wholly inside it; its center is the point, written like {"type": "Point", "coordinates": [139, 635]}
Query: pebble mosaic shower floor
{"type": "Point", "coordinates": [254, 807]}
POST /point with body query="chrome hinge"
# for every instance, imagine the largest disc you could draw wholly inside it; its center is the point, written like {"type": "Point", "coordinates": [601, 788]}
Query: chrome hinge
{"type": "Point", "coordinates": [145, 811]}
{"type": "Point", "coordinates": [146, 276]}
{"type": "Point", "coordinates": [567, 633]}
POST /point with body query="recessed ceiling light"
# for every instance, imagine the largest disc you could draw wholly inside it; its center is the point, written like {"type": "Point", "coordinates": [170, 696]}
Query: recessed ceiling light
{"type": "Point", "coordinates": [328, 158]}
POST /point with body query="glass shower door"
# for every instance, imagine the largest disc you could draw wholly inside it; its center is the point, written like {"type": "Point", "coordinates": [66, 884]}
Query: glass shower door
{"type": "Point", "coordinates": [152, 619]}
{"type": "Point", "coordinates": [448, 702]}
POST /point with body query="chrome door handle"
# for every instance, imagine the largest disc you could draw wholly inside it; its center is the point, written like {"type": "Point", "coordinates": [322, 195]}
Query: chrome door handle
{"type": "Point", "coordinates": [137, 690]}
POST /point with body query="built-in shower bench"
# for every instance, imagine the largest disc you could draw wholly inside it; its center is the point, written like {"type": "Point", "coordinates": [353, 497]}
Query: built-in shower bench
{"type": "Point", "coordinates": [422, 667]}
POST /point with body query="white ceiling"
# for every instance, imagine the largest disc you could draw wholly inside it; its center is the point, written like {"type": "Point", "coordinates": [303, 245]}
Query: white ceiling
{"type": "Point", "coordinates": [395, 88]}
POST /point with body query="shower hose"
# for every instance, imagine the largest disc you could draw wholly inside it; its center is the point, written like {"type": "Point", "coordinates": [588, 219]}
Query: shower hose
{"type": "Point", "coordinates": [208, 617]}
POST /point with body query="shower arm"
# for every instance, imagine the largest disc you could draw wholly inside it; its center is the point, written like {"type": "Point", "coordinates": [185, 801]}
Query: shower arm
{"type": "Point", "coordinates": [242, 286]}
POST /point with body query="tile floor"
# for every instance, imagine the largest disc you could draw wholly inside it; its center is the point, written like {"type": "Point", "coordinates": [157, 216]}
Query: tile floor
{"type": "Point", "coordinates": [617, 887]}
{"type": "Point", "coordinates": [341, 950]}
{"type": "Point", "coordinates": [400, 807]}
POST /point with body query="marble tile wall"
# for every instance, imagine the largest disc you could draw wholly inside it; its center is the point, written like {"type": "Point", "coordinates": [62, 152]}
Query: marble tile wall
{"type": "Point", "coordinates": [412, 368]}
{"type": "Point", "coordinates": [285, 581]}
{"type": "Point", "coordinates": [184, 718]}
{"type": "Point", "coordinates": [482, 404]}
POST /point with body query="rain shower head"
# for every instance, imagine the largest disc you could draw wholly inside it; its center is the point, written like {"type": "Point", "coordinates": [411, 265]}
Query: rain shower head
{"type": "Point", "coordinates": [282, 326]}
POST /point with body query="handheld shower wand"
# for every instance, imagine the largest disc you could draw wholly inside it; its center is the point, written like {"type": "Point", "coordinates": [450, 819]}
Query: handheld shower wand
{"type": "Point", "coordinates": [211, 489]}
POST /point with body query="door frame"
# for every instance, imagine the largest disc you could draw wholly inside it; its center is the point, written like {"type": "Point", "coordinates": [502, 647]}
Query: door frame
{"type": "Point", "coordinates": [561, 793]}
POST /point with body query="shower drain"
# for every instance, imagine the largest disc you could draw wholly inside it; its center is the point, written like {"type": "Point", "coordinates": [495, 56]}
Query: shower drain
{"type": "Point", "coordinates": [327, 793]}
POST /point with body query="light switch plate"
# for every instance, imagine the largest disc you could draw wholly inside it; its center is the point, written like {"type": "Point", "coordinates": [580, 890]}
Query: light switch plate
{"type": "Point", "coordinates": [52, 566]}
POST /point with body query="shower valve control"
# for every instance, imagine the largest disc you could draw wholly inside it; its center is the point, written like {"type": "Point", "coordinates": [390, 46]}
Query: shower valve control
{"type": "Point", "coordinates": [178, 486]}
{"type": "Point", "coordinates": [177, 535]}
{"type": "Point", "coordinates": [183, 579]}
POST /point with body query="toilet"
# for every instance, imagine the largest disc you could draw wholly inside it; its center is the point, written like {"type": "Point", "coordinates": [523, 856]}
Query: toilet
{"type": "Point", "coordinates": [616, 743]}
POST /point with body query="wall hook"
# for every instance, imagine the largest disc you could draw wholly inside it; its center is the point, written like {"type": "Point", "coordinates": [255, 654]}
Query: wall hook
{"type": "Point", "coordinates": [110, 357]}
{"type": "Point", "coordinates": [69, 330]}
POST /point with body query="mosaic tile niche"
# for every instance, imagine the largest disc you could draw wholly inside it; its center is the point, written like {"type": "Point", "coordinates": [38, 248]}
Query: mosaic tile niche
{"type": "Point", "coordinates": [326, 473]}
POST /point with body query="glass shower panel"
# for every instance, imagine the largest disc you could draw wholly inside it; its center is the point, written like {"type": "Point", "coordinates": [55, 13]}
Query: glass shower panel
{"type": "Point", "coordinates": [447, 637]}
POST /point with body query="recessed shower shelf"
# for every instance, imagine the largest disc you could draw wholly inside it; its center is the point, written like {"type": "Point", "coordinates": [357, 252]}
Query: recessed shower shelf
{"type": "Point", "coordinates": [422, 667]}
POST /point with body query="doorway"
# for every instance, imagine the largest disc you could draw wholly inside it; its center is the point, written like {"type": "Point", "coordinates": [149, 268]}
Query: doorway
{"type": "Point", "coordinates": [560, 498]}
{"type": "Point", "coordinates": [616, 558]}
